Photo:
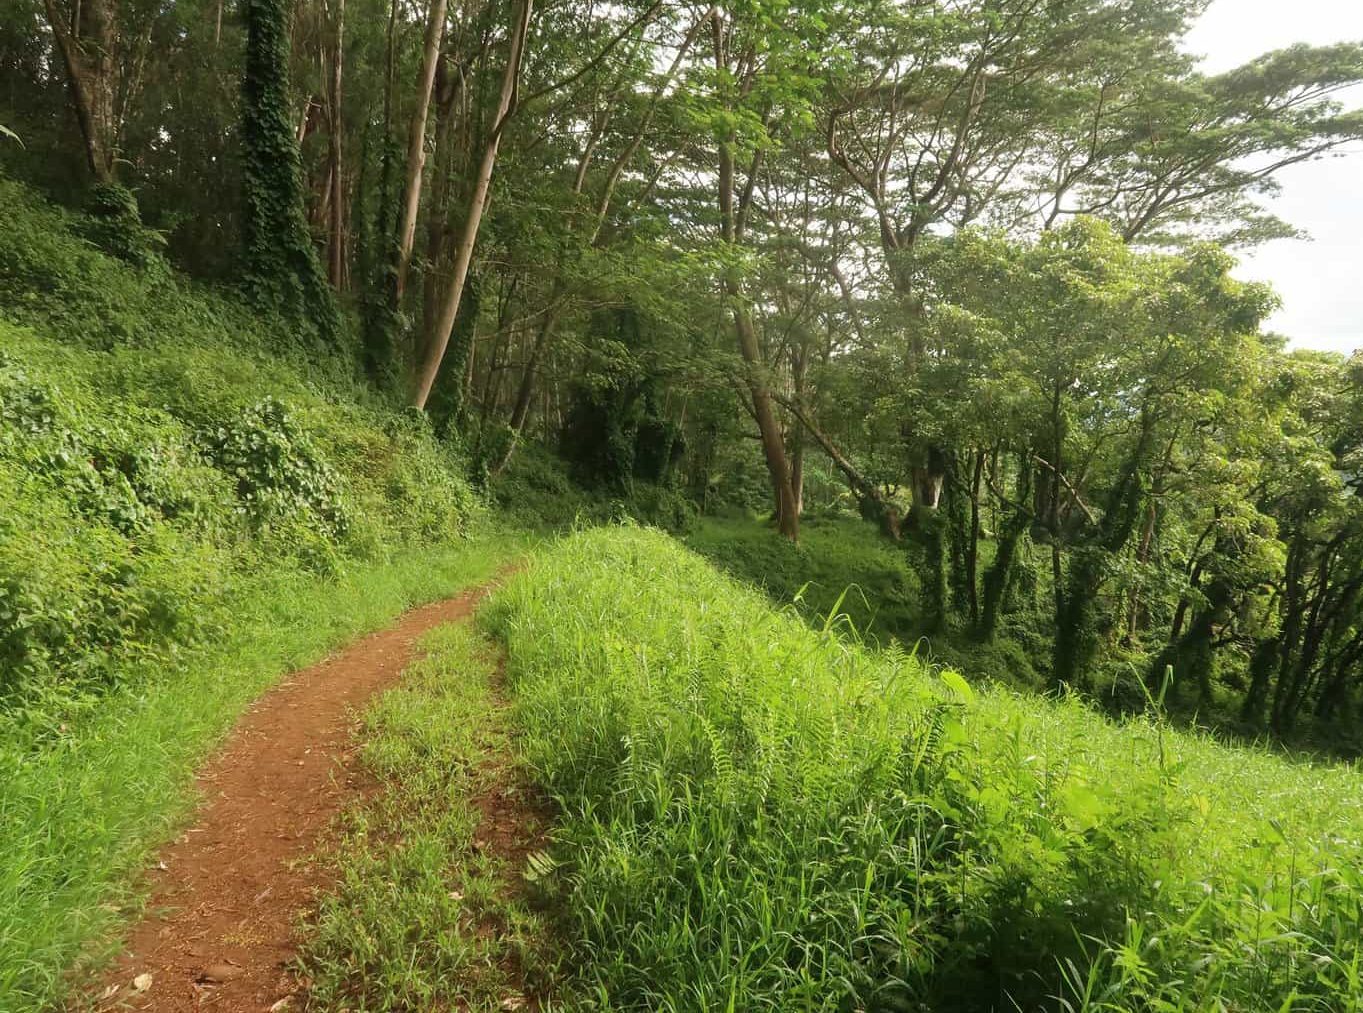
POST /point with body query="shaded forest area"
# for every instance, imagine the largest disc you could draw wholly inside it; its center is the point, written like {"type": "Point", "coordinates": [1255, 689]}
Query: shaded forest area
{"type": "Point", "coordinates": [961, 269]}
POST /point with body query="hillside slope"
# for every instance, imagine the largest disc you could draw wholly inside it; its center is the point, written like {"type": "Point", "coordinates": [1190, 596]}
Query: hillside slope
{"type": "Point", "coordinates": [756, 815]}
{"type": "Point", "coordinates": [190, 508]}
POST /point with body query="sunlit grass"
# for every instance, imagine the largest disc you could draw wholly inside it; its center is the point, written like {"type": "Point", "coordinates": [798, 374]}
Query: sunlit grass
{"type": "Point", "coordinates": [758, 815]}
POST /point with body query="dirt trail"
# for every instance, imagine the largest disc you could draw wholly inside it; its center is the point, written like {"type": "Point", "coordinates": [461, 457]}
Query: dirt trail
{"type": "Point", "coordinates": [220, 929]}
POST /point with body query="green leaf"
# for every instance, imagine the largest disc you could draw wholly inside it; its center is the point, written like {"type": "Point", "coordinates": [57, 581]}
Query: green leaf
{"type": "Point", "coordinates": [960, 689]}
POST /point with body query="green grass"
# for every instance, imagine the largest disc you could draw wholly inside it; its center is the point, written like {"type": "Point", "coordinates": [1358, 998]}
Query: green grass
{"type": "Point", "coordinates": [844, 569]}
{"type": "Point", "coordinates": [81, 815]}
{"type": "Point", "coordinates": [842, 566]}
{"type": "Point", "coordinates": [759, 815]}
{"type": "Point", "coordinates": [422, 914]}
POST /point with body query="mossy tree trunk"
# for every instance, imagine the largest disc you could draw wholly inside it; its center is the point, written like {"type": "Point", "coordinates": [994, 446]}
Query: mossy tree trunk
{"type": "Point", "coordinates": [280, 268]}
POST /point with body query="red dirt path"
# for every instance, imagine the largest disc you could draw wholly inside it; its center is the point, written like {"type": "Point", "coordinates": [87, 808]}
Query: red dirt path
{"type": "Point", "coordinates": [219, 933]}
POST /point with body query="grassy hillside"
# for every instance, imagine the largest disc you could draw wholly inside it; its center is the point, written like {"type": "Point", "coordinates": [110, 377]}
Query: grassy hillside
{"type": "Point", "coordinates": [841, 567]}
{"type": "Point", "coordinates": [190, 508]}
{"type": "Point", "coordinates": [757, 815]}
{"type": "Point", "coordinates": [844, 570]}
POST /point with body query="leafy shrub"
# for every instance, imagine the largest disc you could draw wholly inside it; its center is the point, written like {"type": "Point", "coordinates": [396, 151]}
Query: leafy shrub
{"type": "Point", "coordinates": [278, 471]}
{"type": "Point", "coordinates": [114, 224]}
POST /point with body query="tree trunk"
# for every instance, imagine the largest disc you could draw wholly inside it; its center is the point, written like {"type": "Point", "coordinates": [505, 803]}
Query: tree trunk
{"type": "Point", "coordinates": [437, 219]}
{"type": "Point", "coordinates": [279, 262]}
{"type": "Point", "coordinates": [972, 551]}
{"type": "Point", "coordinates": [430, 367]}
{"type": "Point", "coordinates": [545, 337]}
{"type": "Point", "coordinates": [773, 441]}
{"type": "Point", "coordinates": [525, 392]}
{"type": "Point", "coordinates": [731, 227]}
{"type": "Point", "coordinates": [90, 61]}
{"type": "Point", "coordinates": [416, 144]}
{"type": "Point", "coordinates": [1074, 639]}
{"type": "Point", "coordinates": [874, 506]}
{"type": "Point", "coordinates": [336, 196]}
{"type": "Point", "coordinates": [996, 577]}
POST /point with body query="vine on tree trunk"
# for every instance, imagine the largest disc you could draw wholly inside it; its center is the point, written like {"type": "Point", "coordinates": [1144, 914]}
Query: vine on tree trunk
{"type": "Point", "coordinates": [280, 266]}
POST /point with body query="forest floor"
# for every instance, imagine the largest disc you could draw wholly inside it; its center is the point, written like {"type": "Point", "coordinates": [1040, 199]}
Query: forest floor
{"type": "Point", "coordinates": [231, 893]}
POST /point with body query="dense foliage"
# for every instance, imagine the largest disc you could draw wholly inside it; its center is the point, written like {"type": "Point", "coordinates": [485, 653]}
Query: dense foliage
{"type": "Point", "coordinates": [920, 314]}
{"type": "Point", "coordinates": [156, 459]}
{"type": "Point", "coordinates": [191, 507]}
{"type": "Point", "coordinates": [756, 815]}
{"type": "Point", "coordinates": [959, 268]}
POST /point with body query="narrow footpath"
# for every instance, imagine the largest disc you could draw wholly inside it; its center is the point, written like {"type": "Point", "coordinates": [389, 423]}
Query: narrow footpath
{"type": "Point", "coordinates": [220, 927]}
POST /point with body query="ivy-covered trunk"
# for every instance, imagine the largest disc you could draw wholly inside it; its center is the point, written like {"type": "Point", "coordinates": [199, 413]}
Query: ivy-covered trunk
{"type": "Point", "coordinates": [1075, 638]}
{"type": "Point", "coordinates": [997, 575]}
{"type": "Point", "coordinates": [279, 264]}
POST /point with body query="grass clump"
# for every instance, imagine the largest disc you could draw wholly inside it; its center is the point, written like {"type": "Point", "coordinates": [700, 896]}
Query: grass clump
{"type": "Point", "coordinates": [425, 912]}
{"type": "Point", "coordinates": [759, 815]}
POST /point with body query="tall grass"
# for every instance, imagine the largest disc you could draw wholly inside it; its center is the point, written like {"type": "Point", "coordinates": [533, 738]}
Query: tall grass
{"type": "Point", "coordinates": [758, 815]}
{"type": "Point", "coordinates": [81, 815]}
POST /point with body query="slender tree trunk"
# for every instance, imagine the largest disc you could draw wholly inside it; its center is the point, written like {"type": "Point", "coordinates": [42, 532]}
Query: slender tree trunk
{"type": "Point", "coordinates": [545, 337]}
{"type": "Point", "coordinates": [447, 94]}
{"type": "Point", "coordinates": [873, 504]}
{"type": "Point", "coordinates": [336, 195]}
{"type": "Point", "coordinates": [1133, 619]}
{"type": "Point", "coordinates": [999, 572]}
{"type": "Point", "coordinates": [773, 441]}
{"type": "Point", "coordinates": [416, 143]}
{"type": "Point", "coordinates": [525, 391]}
{"type": "Point", "coordinates": [731, 225]}
{"type": "Point", "coordinates": [972, 551]}
{"type": "Point", "coordinates": [430, 367]}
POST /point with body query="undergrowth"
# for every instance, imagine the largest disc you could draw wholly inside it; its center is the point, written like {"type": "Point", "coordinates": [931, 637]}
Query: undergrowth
{"type": "Point", "coordinates": [841, 566]}
{"type": "Point", "coordinates": [759, 815]}
{"type": "Point", "coordinates": [536, 493]}
{"type": "Point", "coordinates": [844, 568]}
{"type": "Point", "coordinates": [193, 501]}
{"type": "Point", "coordinates": [425, 910]}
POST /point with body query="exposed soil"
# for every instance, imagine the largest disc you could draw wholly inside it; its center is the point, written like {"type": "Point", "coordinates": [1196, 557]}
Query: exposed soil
{"type": "Point", "coordinates": [220, 931]}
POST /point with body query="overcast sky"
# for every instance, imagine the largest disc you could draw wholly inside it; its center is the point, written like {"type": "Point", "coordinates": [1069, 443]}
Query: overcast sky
{"type": "Point", "coordinates": [1321, 281]}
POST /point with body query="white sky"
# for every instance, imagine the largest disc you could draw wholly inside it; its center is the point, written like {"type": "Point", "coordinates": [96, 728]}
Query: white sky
{"type": "Point", "coordinates": [1321, 281]}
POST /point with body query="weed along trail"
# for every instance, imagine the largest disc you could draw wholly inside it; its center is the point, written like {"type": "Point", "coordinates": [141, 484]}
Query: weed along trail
{"type": "Point", "coordinates": [222, 920]}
